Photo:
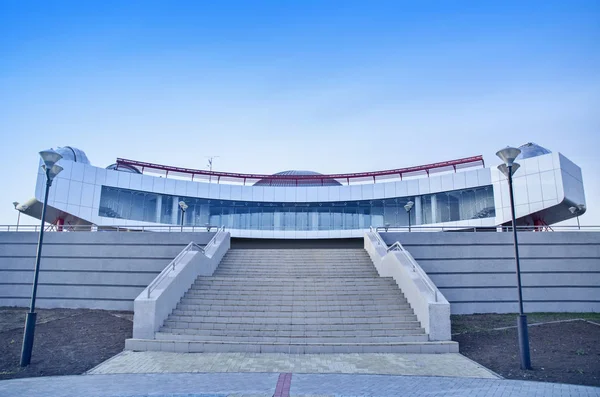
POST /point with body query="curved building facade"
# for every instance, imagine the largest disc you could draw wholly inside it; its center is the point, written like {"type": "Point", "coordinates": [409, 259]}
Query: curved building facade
{"type": "Point", "coordinates": [305, 204]}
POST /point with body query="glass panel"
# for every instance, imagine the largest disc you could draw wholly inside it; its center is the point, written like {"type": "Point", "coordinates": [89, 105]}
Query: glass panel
{"type": "Point", "coordinates": [160, 208]}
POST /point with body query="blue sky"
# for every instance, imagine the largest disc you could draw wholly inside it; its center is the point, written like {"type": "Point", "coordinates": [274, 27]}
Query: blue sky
{"type": "Point", "coordinates": [329, 86]}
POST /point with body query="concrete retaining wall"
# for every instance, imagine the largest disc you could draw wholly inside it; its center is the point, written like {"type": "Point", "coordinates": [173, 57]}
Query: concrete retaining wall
{"type": "Point", "coordinates": [476, 271]}
{"type": "Point", "coordinates": [100, 270]}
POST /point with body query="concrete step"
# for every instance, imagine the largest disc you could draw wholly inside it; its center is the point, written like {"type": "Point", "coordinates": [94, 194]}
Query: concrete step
{"type": "Point", "coordinates": [289, 307]}
{"type": "Point", "coordinates": [293, 282]}
{"type": "Point", "coordinates": [267, 271]}
{"type": "Point", "coordinates": [312, 262]}
{"type": "Point", "coordinates": [276, 270]}
{"type": "Point", "coordinates": [193, 321]}
{"type": "Point", "coordinates": [304, 328]}
{"type": "Point", "coordinates": [299, 304]}
{"type": "Point", "coordinates": [275, 293]}
{"type": "Point", "coordinates": [294, 273]}
{"type": "Point", "coordinates": [401, 314]}
{"type": "Point", "coordinates": [303, 302]}
{"type": "Point", "coordinates": [290, 348]}
{"type": "Point", "coordinates": [275, 324]}
{"type": "Point", "coordinates": [294, 333]}
{"type": "Point", "coordinates": [303, 287]}
{"type": "Point", "coordinates": [290, 296]}
{"type": "Point", "coordinates": [289, 339]}
{"type": "Point", "coordinates": [334, 289]}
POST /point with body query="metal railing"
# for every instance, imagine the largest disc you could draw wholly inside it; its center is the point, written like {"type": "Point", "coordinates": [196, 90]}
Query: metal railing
{"type": "Point", "coordinates": [96, 228]}
{"type": "Point", "coordinates": [486, 229]}
{"type": "Point", "coordinates": [191, 247]}
{"type": "Point", "coordinates": [377, 236]}
{"type": "Point", "coordinates": [415, 267]}
{"type": "Point", "coordinates": [209, 228]}
{"type": "Point", "coordinates": [215, 239]}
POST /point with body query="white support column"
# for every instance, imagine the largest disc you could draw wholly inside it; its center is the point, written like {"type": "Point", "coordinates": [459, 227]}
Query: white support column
{"type": "Point", "coordinates": [277, 220]}
{"type": "Point", "coordinates": [158, 207]}
{"type": "Point", "coordinates": [434, 217]}
{"type": "Point", "coordinates": [175, 212]}
{"type": "Point", "coordinates": [418, 211]}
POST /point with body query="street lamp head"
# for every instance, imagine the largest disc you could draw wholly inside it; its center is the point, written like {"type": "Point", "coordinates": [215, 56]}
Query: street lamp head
{"type": "Point", "coordinates": [508, 154]}
{"type": "Point", "coordinates": [54, 170]}
{"type": "Point", "coordinates": [50, 157]}
{"type": "Point", "coordinates": [573, 209]}
{"type": "Point", "coordinates": [504, 168]}
{"type": "Point", "coordinates": [15, 203]}
{"type": "Point", "coordinates": [183, 205]}
{"type": "Point", "coordinates": [581, 208]}
{"type": "Point", "coordinates": [409, 206]}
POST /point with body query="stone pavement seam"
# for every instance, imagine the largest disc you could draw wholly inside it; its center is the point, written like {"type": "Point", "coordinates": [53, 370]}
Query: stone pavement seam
{"type": "Point", "coordinates": [89, 371]}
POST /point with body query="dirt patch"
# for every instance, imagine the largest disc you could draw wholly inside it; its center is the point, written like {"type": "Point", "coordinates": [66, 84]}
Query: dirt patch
{"type": "Point", "coordinates": [70, 342]}
{"type": "Point", "coordinates": [67, 341]}
{"type": "Point", "coordinates": [565, 352]}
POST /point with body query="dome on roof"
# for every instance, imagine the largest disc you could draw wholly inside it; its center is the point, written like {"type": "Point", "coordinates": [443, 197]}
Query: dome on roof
{"type": "Point", "coordinates": [317, 181]}
{"type": "Point", "coordinates": [123, 168]}
{"type": "Point", "coordinates": [73, 154]}
{"type": "Point", "coordinates": [530, 149]}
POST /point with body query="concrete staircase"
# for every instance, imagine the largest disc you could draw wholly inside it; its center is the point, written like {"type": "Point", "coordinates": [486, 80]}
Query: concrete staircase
{"type": "Point", "coordinates": [294, 301]}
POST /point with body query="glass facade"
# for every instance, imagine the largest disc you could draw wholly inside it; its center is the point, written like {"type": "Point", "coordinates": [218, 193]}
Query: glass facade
{"type": "Point", "coordinates": [428, 209]}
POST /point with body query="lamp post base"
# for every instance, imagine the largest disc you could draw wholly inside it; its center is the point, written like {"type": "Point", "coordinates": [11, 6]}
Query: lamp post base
{"type": "Point", "coordinates": [523, 341]}
{"type": "Point", "coordinates": [28, 339]}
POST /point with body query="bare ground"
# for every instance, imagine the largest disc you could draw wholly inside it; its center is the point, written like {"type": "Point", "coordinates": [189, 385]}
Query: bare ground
{"type": "Point", "coordinates": [561, 352]}
{"type": "Point", "coordinates": [70, 342]}
{"type": "Point", "coordinates": [67, 341]}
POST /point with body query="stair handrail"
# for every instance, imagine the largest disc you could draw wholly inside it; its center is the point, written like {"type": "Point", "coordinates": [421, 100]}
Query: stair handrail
{"type": "Point", "coordinates": [213, 240]}
{"type": "Point", "coordinates": [415, 267]}
{"type": "Point", "coordinates": [377, 236]}
{"type": "Point", "coordinates": [172, 265]}
{"type": "Point", "coordinates": [189, 248]}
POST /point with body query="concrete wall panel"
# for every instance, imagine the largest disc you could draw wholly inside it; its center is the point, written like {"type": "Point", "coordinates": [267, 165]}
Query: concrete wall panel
{"type": "Point", "coordinates": [103, 270]}
{"type": "Point", "coordinates": [476, 271]}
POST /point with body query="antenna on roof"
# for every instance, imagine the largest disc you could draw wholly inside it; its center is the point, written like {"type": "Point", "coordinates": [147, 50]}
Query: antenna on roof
{"type": "Point", "coordinates": [210, 165]}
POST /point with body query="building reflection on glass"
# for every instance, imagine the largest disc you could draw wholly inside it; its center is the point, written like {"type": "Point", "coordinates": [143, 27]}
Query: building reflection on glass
{"type": "Point", "coordinates": [449, 206]}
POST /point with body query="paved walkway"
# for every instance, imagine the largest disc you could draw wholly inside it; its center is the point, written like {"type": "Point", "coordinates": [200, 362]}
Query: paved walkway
{"type": "Point", "coordinates": [451, 364]}
{"type": "Point", "coordinates": [280, 385]}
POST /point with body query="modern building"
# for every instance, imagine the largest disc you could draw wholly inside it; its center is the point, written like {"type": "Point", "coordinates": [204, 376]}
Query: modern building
{"type": "Point", "coordinates": [304, 204]}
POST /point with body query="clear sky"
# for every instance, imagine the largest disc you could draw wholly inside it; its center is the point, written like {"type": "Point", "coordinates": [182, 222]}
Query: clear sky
{"type": "Point", "coordinates": [328, 86]}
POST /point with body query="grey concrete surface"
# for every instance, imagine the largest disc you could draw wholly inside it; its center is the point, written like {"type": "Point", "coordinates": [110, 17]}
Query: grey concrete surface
{"type": "Point", "coordinates": [476, 271]}
{"type": "Point", "coordinates": [451, 364]}
{"type": "Point", "coordinates": [263, 385]}
{"type": "Point", "coordinates": [98, 270]}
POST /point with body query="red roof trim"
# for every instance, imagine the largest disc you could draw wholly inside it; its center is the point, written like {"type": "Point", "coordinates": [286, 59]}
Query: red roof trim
{"type": "Point", "coordinates": [466, 162]}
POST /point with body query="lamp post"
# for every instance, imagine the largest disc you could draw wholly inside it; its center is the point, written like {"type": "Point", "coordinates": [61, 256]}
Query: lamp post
{"type": "Point", "coordinates": [183, 207]}
{"type": "Point", "coordinates": [49, 157]}
{"type": "Point", "coordinates": [578, 210]}
{"type": "Point", "coordinates": [408, 207]}
{"type": "Point", "coordinates": [15, 203]}
{"type": "Point", "coordinates": [508, 156]}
